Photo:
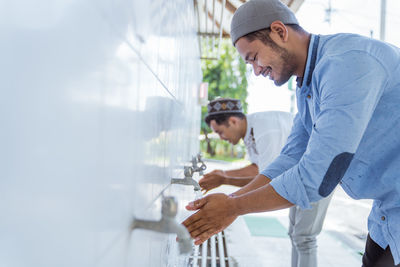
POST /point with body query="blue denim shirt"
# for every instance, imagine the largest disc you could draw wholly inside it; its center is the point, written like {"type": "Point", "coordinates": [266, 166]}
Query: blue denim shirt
{"type": "Point", "coordinates": [347, 131]}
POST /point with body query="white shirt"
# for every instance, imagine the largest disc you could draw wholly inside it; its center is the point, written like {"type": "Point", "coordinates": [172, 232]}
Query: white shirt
{"type": "Point", "coordinates": [266, 134]}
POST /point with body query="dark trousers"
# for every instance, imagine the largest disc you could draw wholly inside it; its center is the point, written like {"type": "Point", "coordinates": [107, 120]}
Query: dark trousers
{"type": "Point", "coordinates": [375, 256]}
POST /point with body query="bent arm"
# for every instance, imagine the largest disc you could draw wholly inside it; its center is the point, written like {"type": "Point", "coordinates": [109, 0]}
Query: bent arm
{"type": "Point", "coordinates": [261, 199]}
{"type": "Point", "coordinates": [241, 177]}
{"type": "Point", "coordinates": [248, 171]}
{"type": "Point", "coordinates": [258, 181]}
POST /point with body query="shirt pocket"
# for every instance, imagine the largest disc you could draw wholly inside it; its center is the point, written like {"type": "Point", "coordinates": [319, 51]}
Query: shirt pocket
{"type": "Point", "coordinates": [357, 181]}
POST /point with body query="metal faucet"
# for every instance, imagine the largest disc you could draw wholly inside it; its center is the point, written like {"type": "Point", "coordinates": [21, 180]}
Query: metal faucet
{"type": "Point", "coordinates": [167, 224]}
{"type": "Point", "coordinates": [188, 180]}
{"type": "Point", "coordinates": [196, 168]}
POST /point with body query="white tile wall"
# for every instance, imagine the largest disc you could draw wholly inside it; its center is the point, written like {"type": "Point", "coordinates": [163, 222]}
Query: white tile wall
{"type": "Point", "coordinates": [98, 109]}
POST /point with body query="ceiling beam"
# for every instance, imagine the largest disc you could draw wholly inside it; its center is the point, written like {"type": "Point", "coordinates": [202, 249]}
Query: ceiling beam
{"type": "Point", "coordinates": [225, 34]}
{"type": "Point", "coordinates": [289, 4]}
{"type": "Point", "coordinates": [210, 16]}
{"type": "Point", "coordinates": [203, 34]}
{"type": "Point", "coordinates": [229, 6]}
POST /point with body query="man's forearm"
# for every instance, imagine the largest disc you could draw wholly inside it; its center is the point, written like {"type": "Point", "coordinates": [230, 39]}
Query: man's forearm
{"type": "Point", "coordinates": [246, 172]}
{"type": "Point", "coordinates": [238, 181]}
{"type": "Point", "coordinates": [262, 199]}
{"type": "Point", "coordinates": [240, 177]}
{"type": "Point", "coordinates": [259, 181]}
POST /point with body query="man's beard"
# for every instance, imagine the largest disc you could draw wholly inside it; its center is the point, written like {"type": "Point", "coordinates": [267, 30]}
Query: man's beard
{"type": "Point", "coordinates": [288, 66]}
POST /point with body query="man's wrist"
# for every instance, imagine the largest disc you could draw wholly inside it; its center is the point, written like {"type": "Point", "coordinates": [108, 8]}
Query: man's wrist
{"type": "Point", "coordinates": [225, 178]}
{"type": "Point", "coordinates": [233, 204]}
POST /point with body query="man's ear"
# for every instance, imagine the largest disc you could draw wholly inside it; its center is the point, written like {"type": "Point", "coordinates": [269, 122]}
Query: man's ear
{"type": "Point", "coordinates": [280, 30]}
{"type": "Point", "coordinates": [233, 120]}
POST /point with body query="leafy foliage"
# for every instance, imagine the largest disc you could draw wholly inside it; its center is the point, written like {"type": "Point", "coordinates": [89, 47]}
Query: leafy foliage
{"type": "Point", "coordinates": [226, 77]}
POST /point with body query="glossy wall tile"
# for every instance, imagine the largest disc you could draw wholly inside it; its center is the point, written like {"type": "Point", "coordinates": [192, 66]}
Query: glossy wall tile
{"type": "Point", "coordinates": [98, 111]}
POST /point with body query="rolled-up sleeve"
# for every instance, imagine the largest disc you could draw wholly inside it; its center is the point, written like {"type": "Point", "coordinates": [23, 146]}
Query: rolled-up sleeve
{"type": "Point", "coordinates": [348, 88]}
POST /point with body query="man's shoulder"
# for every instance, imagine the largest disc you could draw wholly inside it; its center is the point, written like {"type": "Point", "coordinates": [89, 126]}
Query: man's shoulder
{"type": "Point", "coordinates": [337, 46]}
{"type": "Point", "coordinates": [357, 51]}
{"type": "Point", "coordinates": [331, 40]}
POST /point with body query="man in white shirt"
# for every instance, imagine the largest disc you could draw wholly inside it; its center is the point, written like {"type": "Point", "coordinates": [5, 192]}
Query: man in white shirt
{"type": "Point", "coordinates": [264, 134]}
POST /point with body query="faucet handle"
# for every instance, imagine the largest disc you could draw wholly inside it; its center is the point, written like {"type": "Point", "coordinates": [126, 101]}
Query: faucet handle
{"type": "Point", "coordinates": [195, 160]}
{"type": "Point", "coordinates": [200, 160]}
{"type": "Point", "coordinates": [199, 157]}
{"type": "Point", "coordinates": [203, 166]}
{"type": "Point", "coordinates": [188, 172]}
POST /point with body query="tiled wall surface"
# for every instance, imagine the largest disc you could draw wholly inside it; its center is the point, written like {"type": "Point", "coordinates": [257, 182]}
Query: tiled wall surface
{"type": "Point", "coordinates": [98, 110]}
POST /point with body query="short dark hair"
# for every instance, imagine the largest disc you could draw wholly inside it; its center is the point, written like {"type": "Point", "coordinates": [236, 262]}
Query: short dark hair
{"type": "Point", "coordinates": [263, 35]}
{"type": "Point", "coordinates": [222, 118]}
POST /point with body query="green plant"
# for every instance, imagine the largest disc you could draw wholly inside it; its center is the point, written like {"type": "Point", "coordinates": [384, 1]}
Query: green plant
{"type": "Point", "coordinates": [226, 77]}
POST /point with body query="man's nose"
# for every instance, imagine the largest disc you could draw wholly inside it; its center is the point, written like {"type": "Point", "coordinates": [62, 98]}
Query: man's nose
{"type": "Point", "coordinates": [257, 69]}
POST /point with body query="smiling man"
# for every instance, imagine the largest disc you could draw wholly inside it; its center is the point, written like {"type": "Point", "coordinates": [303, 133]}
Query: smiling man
{"type": "Point", "coordinates": [345, 132]}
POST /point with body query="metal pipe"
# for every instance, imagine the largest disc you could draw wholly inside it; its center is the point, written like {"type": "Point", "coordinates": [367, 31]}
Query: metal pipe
{"type": "Point", "coordinates": [209, 58]}
{"type": "Point", "coordinates": [213, 252]}
{"type": "Point", "coordinates": [206, 50]}
{"type": "Point", "coordinates": [213, 24]}
{"type": "Point", "coordinates": [383, 21]}
{"type": "Point", "coordinates": [195, 256]}
{"type": "Point", "coordinates": [220, 28]}
{"type": "Point", "coordinates": [204, 254]}
{"type": "Point", "coordinates": [221, 252]}
{"type": "Point", "coordinates": [208, 34]}
{"type": "Point", "coordinates": [196, 4]}
{"type": "Point", "coordinates": [206, 14]}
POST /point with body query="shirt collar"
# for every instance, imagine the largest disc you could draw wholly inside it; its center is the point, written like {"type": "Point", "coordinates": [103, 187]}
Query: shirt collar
{"type": "Point", "coordinates": [311, 60]}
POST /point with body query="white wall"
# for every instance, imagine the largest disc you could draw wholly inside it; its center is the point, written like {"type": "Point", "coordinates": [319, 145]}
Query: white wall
{"type": "Point", "coordinates": [98, 110]}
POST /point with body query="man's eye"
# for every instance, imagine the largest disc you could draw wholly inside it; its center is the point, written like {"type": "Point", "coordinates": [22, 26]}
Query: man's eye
{"type": "Point", "coordinates": [255, 57]}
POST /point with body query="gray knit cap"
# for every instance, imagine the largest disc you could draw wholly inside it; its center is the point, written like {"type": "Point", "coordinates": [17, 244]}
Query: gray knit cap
{"type": "Point", "coordinates": [255, 15]}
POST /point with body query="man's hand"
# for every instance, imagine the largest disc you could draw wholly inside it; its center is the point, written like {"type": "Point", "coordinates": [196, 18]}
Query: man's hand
{"type": "Point", "coordinates": [215, 213]}
{"type": "Point", "coordinates": [212, 180]}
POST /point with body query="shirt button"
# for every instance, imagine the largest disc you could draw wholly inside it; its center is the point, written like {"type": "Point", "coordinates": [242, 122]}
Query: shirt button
{"type": "Point", "coordinates": [308, 96]}
{"type": "Point", "coordinates": [340, 182]}
{"type": "Point", "coordinates": [383, 218]}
